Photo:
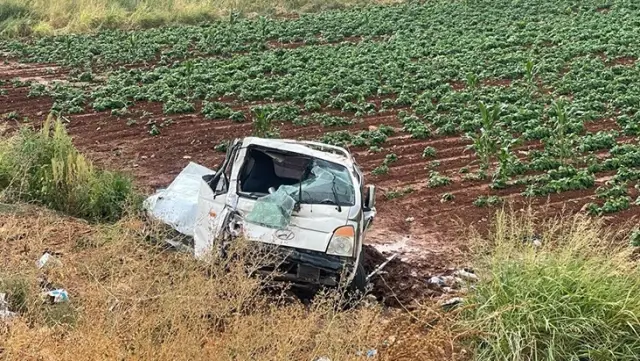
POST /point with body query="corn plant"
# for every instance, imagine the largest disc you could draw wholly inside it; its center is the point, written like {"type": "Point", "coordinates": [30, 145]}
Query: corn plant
{"type": "Point", "coordinates": [485, 141]}
{"type": "Point", "coordinates": [529, 71]}
{"type": "Point", "coordinates": [262, 124]}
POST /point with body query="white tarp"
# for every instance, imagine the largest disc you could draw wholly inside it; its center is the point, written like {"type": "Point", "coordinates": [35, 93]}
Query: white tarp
{"type": "Point", "coordinates": [177, 205]}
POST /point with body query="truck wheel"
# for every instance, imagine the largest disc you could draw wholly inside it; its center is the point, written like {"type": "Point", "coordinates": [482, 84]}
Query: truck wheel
{"type": "Point", "coordinates": [359, 282]}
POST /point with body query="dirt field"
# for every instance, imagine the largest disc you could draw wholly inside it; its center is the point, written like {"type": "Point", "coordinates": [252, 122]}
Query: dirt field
{"type": "Point", "coordinates": [419, 225]}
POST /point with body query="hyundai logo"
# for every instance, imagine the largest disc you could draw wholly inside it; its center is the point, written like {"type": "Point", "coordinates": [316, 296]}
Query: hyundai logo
{"type": "Point", "coordinates": [284, 234]}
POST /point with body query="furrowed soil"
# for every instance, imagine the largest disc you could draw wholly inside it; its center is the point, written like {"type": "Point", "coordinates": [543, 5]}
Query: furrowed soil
{"type": "Point", "coordinates": [427, 226]}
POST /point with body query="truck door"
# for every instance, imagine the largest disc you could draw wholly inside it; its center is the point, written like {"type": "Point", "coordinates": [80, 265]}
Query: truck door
{"type": "Point", "coordinates": [213, 198]}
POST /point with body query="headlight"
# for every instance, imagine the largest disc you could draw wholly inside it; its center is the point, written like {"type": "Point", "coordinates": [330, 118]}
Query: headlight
{"type": "Point", "coordinates": [342, 242]}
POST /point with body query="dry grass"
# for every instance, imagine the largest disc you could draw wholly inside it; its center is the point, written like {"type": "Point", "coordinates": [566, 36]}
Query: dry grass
{"type": "Point", "coordinates": [555, 289]}
{"type": "Point", "coordinates": [45, 17]}
{"type": "Point", "coordinates": [134, 301]}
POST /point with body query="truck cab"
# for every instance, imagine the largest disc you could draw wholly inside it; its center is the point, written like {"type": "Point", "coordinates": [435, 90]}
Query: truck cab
{"type": "Point", "coordinates": [306, 198]}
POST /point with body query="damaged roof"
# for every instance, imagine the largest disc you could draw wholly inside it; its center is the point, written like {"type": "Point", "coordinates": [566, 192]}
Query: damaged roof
{"type": "Point", "coordinates": [314, 149]}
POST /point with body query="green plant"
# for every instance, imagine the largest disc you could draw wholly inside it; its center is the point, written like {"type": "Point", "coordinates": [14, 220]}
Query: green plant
{"type": "Point", "coordinates": [397, 193]}
{"type": "Point", "coordinates": [215, 110]}
{"type": "Point", "coordinates": [567, 299]}
{"type": "Point", "coordinates": [154, 130]}
{"type": "Point", "coordinates": [472, 80]}
{"type": "Point", "coordinates": [429, 152]}
{"type": "Point", "coordinates": [437, 180]}
{"type": "Point", "coordinates": [262, 126]}
{"type": "Point", "coordinates": [44, 167]}
{"type": "Point", "coordinates": [390, 158]}
{"type": "Point", "coordinates": [380, 170]}
{"type": "Point", "coordinates": [529, 71]}
{"type": "Point", "coordinates": [222, 146]}
{"type": "Point", "coordinates": [485, 142]}
{"type": "Point", "coordinates": [483, 201]}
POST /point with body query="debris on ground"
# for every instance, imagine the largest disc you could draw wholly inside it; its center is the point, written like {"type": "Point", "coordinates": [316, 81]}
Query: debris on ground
{"type": "Point", "coordinates": [399, 283]}
{"type": "Point", "coordinates": [47, 258]}
{"type": "Point", "coordinates": [452, 302]}
{"type": "Point", "coordinates": [323, 358]}
{"type": "Point", "coordinates": [5, 314]}
{"type": "Point", "coordinates": [57, 296]}
{"type": "Point", "coordinates": [369, 354]}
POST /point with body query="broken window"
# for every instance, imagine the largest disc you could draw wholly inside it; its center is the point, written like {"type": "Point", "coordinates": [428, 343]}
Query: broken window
{"type": "Point", "coordinates": [279, 180]}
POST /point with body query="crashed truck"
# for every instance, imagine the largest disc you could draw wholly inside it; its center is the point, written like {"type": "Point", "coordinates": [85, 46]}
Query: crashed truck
{"type": "Point", "coordinates": [306, 198]}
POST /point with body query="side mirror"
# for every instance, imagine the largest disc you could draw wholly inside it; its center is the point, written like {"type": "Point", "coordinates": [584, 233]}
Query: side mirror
{"type": "Point", "coordinates": [370, 200]}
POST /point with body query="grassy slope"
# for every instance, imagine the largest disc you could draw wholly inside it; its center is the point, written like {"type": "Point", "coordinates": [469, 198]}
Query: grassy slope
{"type": "Point", "coordinates": [130, 300]}
{"type": "Point", "coordinates": [43, 17]}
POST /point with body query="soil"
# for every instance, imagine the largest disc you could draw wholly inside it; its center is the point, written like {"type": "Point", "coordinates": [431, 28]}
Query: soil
{"type": "Point", "coordinates": [430, 234]}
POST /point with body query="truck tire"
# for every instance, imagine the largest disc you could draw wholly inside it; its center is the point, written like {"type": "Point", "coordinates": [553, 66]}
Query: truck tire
{"type": "Point", "coordinates": [359, 282]}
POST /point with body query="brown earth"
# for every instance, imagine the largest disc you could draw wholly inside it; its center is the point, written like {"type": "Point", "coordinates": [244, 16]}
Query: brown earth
{"type": "Point", "coordinates": [425, 229]}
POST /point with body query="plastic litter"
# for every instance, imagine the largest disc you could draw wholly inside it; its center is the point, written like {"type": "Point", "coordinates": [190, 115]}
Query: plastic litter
{"type": "Point", "coordinates": [323, 358]}
{"type": "Point", "coordinates": [435, 280]}
{"type": "Point", "coordinates": [5, 314]}
{"type": "Point", "coordinates": [42, 261]}
{"type": "Point", "coordinates": [467, 276]}
{"type": "Point", "coordinates": [452, 302]}
{"type": "Point", "coordinates": [370, 353]}
{"type": "Point", "coordinates": [58, 296]}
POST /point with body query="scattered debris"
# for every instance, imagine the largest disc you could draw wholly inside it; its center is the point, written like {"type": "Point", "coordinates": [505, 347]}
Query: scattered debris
{"type": "Point", "coordinates": [467, 276]}
{"type": "Point", "coordinates": [452, 302]}
{"type": "Point", "coordinates": [5, 314]}
{"type": "Point", "coordinates": [43, 260]}
{"type": "Point", "coordinates": [57, 296]}
{"type": "Point", "coordinates": [379, 268]}
{"type": "Point", "coordinates": [410, 219]}
{"type": "Point", "coordinates": [323, 358]}
{"type": "Point", "coordinates": [370, 353]}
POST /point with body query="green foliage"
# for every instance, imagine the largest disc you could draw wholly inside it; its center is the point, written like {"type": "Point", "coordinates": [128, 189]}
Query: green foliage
{"type": "Point", "coordinates": [429, 152]}
{"type": "Point", "coordinates": [437, 180]}
{"type": "Point", "coordinates": [483, 201]}
{"type": "Point", "coordinates": [568, 299]}
{"type": "Point", "coordinates": [390, 158]}
{"type": "Point", "coordinates": [447, 197]}
{"type": "Point", "coordinates": [486, 141]}
{"type": "Point", "coordinates": [44, 167]}
{"type": "Point", "coordinates": [544, 77]}
{"type": "Point", "coordinates": [380, 170]}
{"type": "Point", "coordinates": [262, 124]}
{"type": "Point", "coordinates": [397, 193]}
{"type": "Point", "coordinates": [215, 110]}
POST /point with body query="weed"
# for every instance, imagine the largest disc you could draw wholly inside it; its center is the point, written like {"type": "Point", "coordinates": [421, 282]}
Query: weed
{"type": "Point", "coordinates": [566, 299]}
{"type": "Point", "coordinates": [397, 193]}
{"type": "Point", "coordinates": [44, 167]}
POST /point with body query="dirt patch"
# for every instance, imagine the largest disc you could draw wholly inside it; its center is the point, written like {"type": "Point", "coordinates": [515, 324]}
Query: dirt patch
{"type": "Point", "coordinates": [623, 61]}
{"type": "Point", "coordinates": [399, 284]}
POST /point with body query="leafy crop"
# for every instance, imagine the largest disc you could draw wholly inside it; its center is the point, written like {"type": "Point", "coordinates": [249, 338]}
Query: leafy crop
{"type": "Point", "coordinates": [534, 88]}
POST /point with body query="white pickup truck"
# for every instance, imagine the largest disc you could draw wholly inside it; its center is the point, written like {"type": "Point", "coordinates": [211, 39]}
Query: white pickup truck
{"type": "Point", "coordinates": [303, 197]}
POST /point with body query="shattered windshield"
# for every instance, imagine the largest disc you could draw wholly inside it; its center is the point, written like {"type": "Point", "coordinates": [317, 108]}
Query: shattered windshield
{"type": "Point", "coordinates": [324, 183]}
{"type": "Point", "coordinates": [321, 182]}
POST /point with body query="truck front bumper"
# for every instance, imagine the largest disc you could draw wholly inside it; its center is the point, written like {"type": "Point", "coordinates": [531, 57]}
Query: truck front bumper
{"type": "Point", "coordinates": [306, 268]}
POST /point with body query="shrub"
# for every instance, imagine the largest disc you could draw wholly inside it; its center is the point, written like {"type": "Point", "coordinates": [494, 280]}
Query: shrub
{"type": "Point", "coordinates": [44, 167]}
{"type": "Point", "coordinates": [571, 297]}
